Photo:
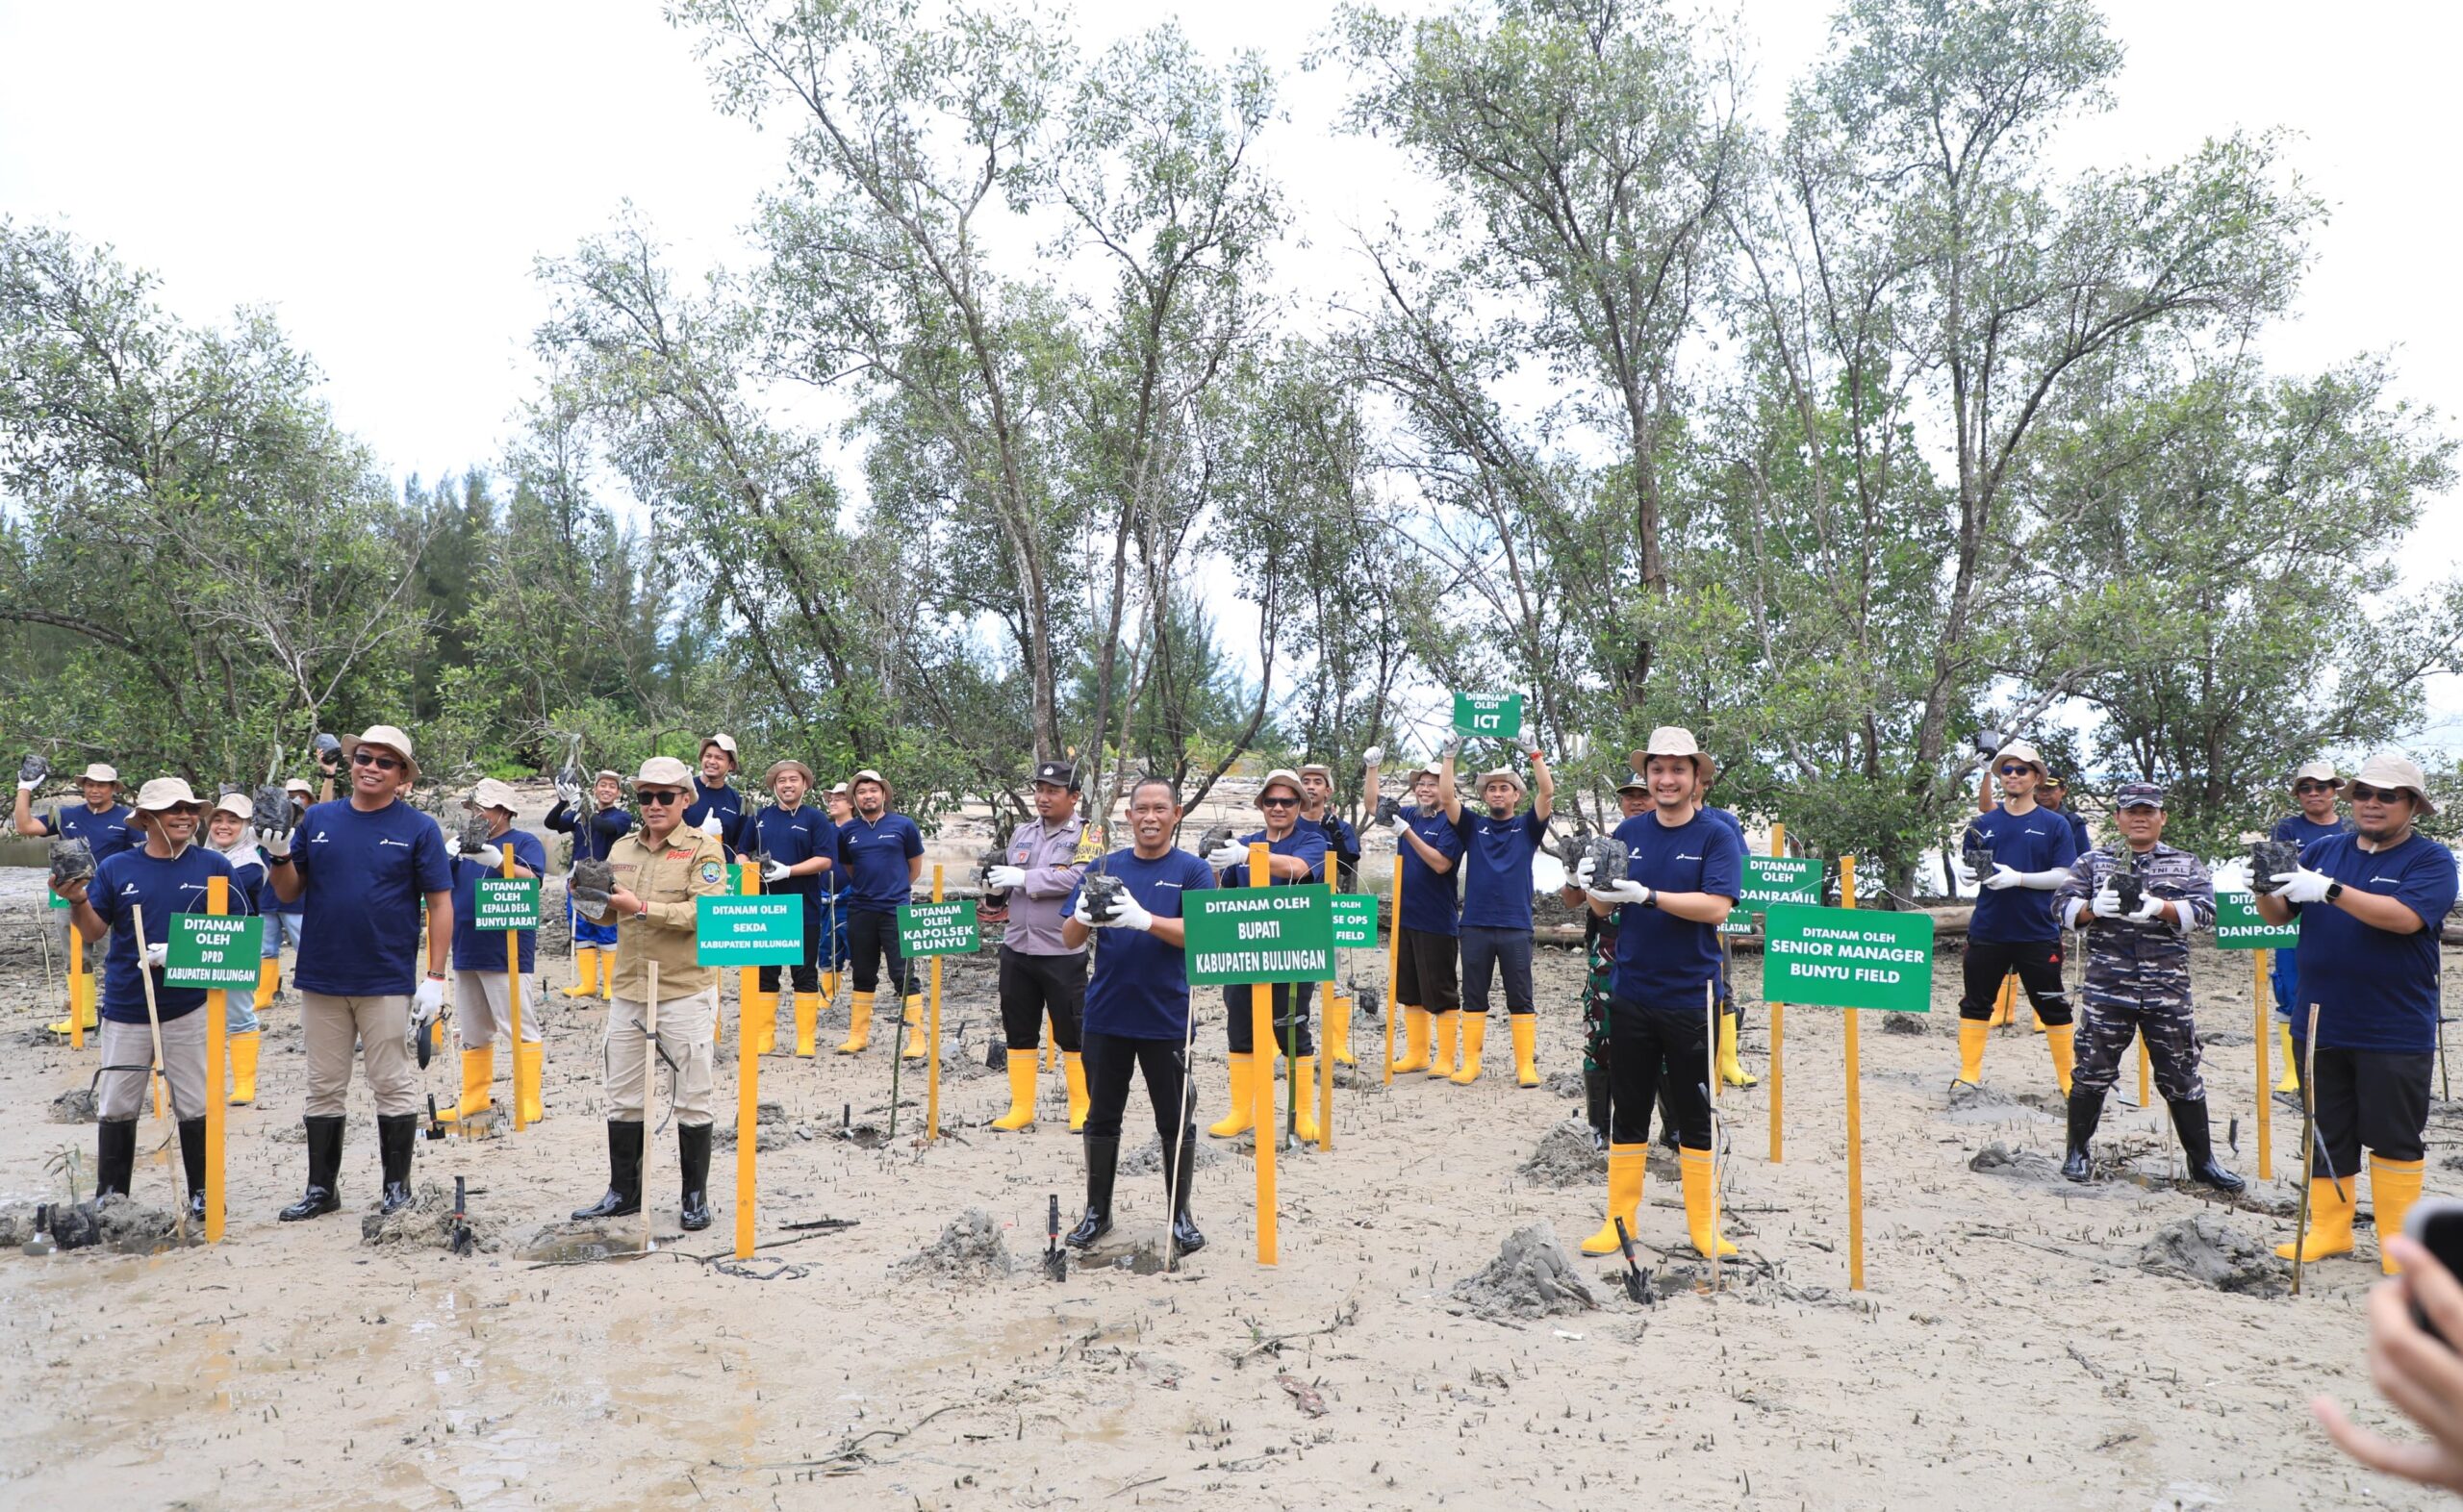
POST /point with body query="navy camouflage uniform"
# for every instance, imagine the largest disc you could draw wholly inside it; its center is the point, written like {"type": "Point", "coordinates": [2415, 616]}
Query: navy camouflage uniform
{"type": "Point", "coordinates": [2138, 974]}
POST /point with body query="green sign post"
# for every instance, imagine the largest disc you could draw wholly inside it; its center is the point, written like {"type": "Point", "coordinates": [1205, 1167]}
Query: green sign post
{"type": "Point", "coordinates": [1848, 958]}
{"type": "Point", "coordinates": [1769, 880]}
{"type": "Point", "coordinates": [937, 929]}
{"type": "Point", "coordinates": [1261, 934]}
{"type": "Point", "coordinates": [1495, 715]}
{"type": "Point", "coordinates": [212, 950]}
{"type": "Point", "coordinates": [54, 899]}
{"type": "Point", "coordinates": [748, 931]}
{"type": "Point", "coordinates": [1355, 920]}
{"type": "Point", "coordinates": [2238, 926]}
{"type": "Point", "coordinates": [507, 903]}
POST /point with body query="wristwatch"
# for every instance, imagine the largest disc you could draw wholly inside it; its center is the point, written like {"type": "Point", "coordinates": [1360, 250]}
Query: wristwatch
{"type": "Point", "coordinates": [2334, 891]}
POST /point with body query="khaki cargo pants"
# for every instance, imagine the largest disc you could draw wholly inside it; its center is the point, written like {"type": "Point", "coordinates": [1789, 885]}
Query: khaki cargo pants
{"type": "Point", "coordinates": [380, 1026]}
{"type": "Point", "coordinates": [686, 1025]}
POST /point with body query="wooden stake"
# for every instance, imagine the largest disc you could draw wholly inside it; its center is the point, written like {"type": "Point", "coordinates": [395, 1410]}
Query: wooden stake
{"type": "Point", "coordinates": [932, 1039]}
{"type": "Point", "coordinates": [513, 996]}
{"type": "Point", "coordinates": [650, 1093]}
{"type": "Point", "coordinates": [1778, 1026]}
{"type": "Point", "coordinates": [76, 986]}
{"type": "Point", "coordinates": [154, 1020]}
{"type": "Point", "coordinates": [747, 1091]}
{"type": "Point", "coordinates": [1710, 1090]}
{"type": "Point", "coordinates": [2260, 959]}
{"type": "Point", "coordinates": [1393, 962]}
{"type": "Point", "coordinates": [2146, 1094]}
{"type": "Point", "coordinates": [1855, 1114]}
{"type": "Point", "coordinates": [218, 900]}
{"type": "Point", "coordinates": [2308, 1143]}
{"type": "Point", "coordinates": [1262, 1045]}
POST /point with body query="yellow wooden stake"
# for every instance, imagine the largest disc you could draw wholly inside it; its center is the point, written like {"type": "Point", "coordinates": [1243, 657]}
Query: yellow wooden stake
{"type": "Point", "coordinates": [1778, 1024]}
{"type": "Point", "coordinates": [1855, 1114]}
{"type": "Point", "coordinates": [747, 1093]}
{"type": "Point", "coordinates": [1261, 1042]}
{"type": "Point", "coordinates": [649, 1094]}
{"type": "Point", "coordinates": [2144, 1092]}
{"type": "Point", "coordinates": [1326, 1078]}
{"type": "Point", "coordinates": [932, 1040]}
{"type": "Point", "coordinates": [1393, 965]}
{"type": "Point", "coordinates": [512, 997]}
{"type": "Point", "coordinates": [218, 900]}
{"type": "Point", "coordinates": [76, 988]}
{"type": "Point", "coordinates": [2260, 960]}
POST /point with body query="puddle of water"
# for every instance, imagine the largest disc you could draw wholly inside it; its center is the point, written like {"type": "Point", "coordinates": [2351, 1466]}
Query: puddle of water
{"type": "Point", "coordinates": [587, 1246]}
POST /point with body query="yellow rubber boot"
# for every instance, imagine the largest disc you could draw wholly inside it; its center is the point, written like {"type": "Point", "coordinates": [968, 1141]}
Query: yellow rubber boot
{"type": "Point", "coordinates": [859, 1023]}
{"type": "Point", "coordinates": [529, 1065]}
{"type": "Point", "coordinates": [1475, 1039]}
{"type": "Point", "coordinates": [2004, 1005]}
{"type": "Point", "coordinates": [2330, 1221]}
{"type": "Point", "coordinates": [1044, 1053]}
{"type": "Point", "coordinates": [829, 987]}
{"type": "Point", "coordinates": [807, 1022]}
{"type": "Point", "coordinates": [2291, 1063]}
{"type": "Point", "coordinates": [1073, 1072]}
{"type": "Point", "coordinates": [1732, 1071]}
{"type": "Point", "coordinates": [1022, 1094]}
{"type": "Point", "coordinates": [243, 1068]}
{"type": "Point", "coordinates": [1626, 1165]}
{"type": "Point", "coordinates": [1526, 1048]}
{"type": "Point", "coordinates": [916, 1048]}
{"type": "Point", "coordinates": [1701, 1203]}
{"type": "Point", "coordinates": [1414, 1041]}
{"type": "Point", "coordinates": [479, 1072]}
{"type": "Point", "coordinates": [765, 1024]}
{"type": "Point", "coordinates": [2062, 1039]}
{"type": "Point", "coordinates": [1304, 1099]}
{"type": "Point", "coordinates": [81, 993]}
{"type": "Point", "coordinates": [268, 981]}
{"type": "Point", "coordinates": [1971, 1037]}
{"type": "Point", "coordinates": [1243, 1116]}
{"type": "Point", "coordinates": [1338, 1030]}
{"type": "Point", "coordinates": [585, 973]}
{"type": "Point", "coordinates": [1443, 1029]}
{"type": "Point", "coordinates": [2394, 1186]}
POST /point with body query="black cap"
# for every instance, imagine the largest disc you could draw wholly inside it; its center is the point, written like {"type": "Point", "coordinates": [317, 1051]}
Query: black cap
{"type": "Point", "coordinates": [1059, 773]}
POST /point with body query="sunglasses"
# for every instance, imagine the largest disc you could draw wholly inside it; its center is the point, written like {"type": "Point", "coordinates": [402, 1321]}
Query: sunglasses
{"type": "Point", "coordinates": [661, 796]}
{"type": "Point", "coordinates": [2012, 769]}
{"type": "Point", "coordinates": [366, 758]}
{"type": "Point", "coordinates": [2362, 792]}
{"type": "Point", "coordinates": [1278, 803]}
{"type": "Point", "coordinates": [2306, 788]}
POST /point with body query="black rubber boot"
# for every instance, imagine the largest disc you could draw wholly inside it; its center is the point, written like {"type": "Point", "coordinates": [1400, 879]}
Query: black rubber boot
{"type": "Point", "coordinates": [2085, 1111]}
{"type": "Point", "coordinates": [115, 1155]}
{"type": "Point", "coordinates": [325, 1169]}
{"type": "Point", "coordinates": [1594, 1098]}
{"type": "Point", "coordinates": [2198, 1143]}
{"type": "Point", "coordinates": [397, 1136]}
{"type": "Point", "coordinates": [192, 1164]}
{"type": "Point", "coordinates": [693, 1154]}
{"type": "Point", "coordinates": [623, 1174]}
{"type": "Point", "coordinates": [1186, 1238]}
{"type": "Point", "coordinates": [1103, 1161]}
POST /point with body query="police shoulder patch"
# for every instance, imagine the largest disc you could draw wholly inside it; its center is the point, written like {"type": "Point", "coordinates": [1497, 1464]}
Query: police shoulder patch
{"type": "Point", "coordinates": [711, 871]}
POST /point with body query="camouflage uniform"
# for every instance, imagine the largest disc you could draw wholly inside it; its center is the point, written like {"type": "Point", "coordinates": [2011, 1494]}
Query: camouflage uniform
{"type": "Point", "coordinates": [1600, 943]}
{"type": "Point", "coordinates": [2138, 974]}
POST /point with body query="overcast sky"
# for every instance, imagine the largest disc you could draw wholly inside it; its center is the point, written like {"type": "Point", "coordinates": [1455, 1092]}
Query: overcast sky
{"type": "Point", "coordinates": [383, 176]}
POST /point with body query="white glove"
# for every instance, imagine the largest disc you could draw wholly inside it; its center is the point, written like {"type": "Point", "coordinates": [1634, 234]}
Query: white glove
{"type": "Point", "coordinates": [2107, 905]}
{"type": "Point", "coordinates": [452, 848]}
{"type": "Point", "coordinates": [1003, 879]}
{"type": "Point", "coordinates": [277, 845]}
{"type": "Point", "coordinates": [2149, 910]}
{"type": "Point", "coordinates": [1527, 743]}
{"type": "Point", "coordinates": [1582, 869]}
{"type": "Point", "coordinates": [2005, 876]}
{"type": "Point", "coordinates": [569, 795]}
{"type": "Point", "coordinates": [1963, 873]}
{"type": "Point", "coordinates": [1226, 856]}
{"type": "Point", "coordinates": [426, 1003]}
{"type": "Point", "coordinates": [158, 955]}
{"type": "Point", "coordinates": [1372, 756]}
{"type": "Point", "coordinates": [2301, 885]}
{"type": "Point", "coordinates": [2071, 912]}
{"type": "Point", "coordinates": [712, 826]}
{"type": "Point", "coordinates": [1132, 915]}
{"type": "Point", "coordinates": [773, 870]}
{"type": "Point", "coordinates": [491, 857]}
{"type": "Point", "coordinates": [1628, 891]}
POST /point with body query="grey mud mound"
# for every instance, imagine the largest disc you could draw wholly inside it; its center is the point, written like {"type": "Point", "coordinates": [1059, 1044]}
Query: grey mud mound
{"type": "Point", "coordinates": [121, 1223]}
{"type": "Point", "coordinates": [1147, 1160]}
{"type": "Point", "coordinates": [427, 1223]}
{"type": "Point", "coordinates": [1566, 1157]}
{"type": "Point", "coordinates": [1997, 1159]}
{"type": "Point", "coordinates": [1902, 1023]}
{"type": "Point", "coordinates": [770, 1130]}
{"type": "Point", "coordinates": [1564, 1084]}
{"type": "Point", "coordinates": [2209, 1252]}
{"type": "Point", "coordinates": [73, 1106]}
{"type": "Point", "coordinates": [1532, 1276]}
{"type": "Point", "coordinates": [969, 1250]}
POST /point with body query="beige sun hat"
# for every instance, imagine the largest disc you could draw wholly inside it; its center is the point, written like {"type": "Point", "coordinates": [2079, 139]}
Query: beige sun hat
{"type": "Point", "coordinates": [1674, 740]}
{"type": "Point", "coordinates": [100, 771]}
{"type": "Point", "coordinates": [1285, 776]}
{"type": "Point", "coordinates": [2318, 770]}
{"type": "Point", "coordinates": [1505, 775]}
{"type": "Point", "coordinates": [2021, 751]}
{"type": "Point", "coordinates": [787, 764]}
{"type": "Point", "coordinates": [389, 737]}
{"type": "Point", "coordinates": [665, 771]}
{"type": "Point", "coordinates": [238, 805]}
{"type": "Point", "coordinates": [2385, 769]}
{"type": "Point", "coordinates": [165, 792]}
{"type": "Point", "coordinates": [491, 793]}
{"type": "Point", "coordinates": [725, 742]}
{"type": "Point", "coordinates": [302, 786]}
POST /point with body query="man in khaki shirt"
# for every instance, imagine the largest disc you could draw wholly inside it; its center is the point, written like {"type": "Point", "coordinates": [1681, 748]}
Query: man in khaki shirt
{"type": "Point", "coordinates": [654, 877]}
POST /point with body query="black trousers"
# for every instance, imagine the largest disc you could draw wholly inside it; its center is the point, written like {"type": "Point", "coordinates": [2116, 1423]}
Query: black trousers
{"type": "Point", "coordinates": [1487, 953]}
{"type": "Point", "coordinates": [2038, 963]}
{"type": "Point", "coordinates": [1424, 974]}
{"type": "Point", "coordinates": [1238, 1020]}
{"type": "Point", "coordinates": [1656, 1050]}
{"type": "Point", "coordinates": [871, 941]}
{"type": "Point", "coordinates": [1033, 985]}
{"type": "Point", "coordinates": [806, 972]}
{"type": "Point", "coordinates": [1110, 1060]}
{"type": "Point", "coordinates": [2377, 1099]}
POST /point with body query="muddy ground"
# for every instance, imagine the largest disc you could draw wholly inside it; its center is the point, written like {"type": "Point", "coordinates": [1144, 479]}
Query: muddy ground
{"type": "Point", "coordinates": [2008, 1343]}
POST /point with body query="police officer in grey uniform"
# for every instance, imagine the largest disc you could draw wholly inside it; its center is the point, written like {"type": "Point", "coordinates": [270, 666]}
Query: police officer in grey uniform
{"type": "Point", "coordinates": [2137, 902]}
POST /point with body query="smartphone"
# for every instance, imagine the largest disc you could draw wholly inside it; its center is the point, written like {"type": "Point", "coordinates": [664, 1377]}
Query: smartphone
{"type": "Point", "coordinates": [2436, 1226]}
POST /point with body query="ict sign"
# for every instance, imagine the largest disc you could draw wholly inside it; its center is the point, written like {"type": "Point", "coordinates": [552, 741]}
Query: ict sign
{"type": "Point", "coordinates": [1496, 715]}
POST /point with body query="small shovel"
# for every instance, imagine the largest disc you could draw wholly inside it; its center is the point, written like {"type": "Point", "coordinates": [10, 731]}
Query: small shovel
{"type": "Point", "coordinates": [1636, 1285]}
{"type": "Point", "coordinates": [464, 1241]}
{"type": "Point", "coordinates": [434, 1125]}
{"type": "Point", "coordinates": [1055, 1260]}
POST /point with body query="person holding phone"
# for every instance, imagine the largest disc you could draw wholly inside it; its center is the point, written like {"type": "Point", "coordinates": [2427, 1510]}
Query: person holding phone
{"type": "Point", "coordinates": [2369, 904]}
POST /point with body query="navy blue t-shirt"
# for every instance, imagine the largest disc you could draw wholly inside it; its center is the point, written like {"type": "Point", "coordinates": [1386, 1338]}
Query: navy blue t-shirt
{"type": "Point", "coordinates": [2305, 832]}
{"type": "Point", "coordinates": [248, 891]}
{"type": "Point", "coordinates": [1735, 824]}
{"type": "Point", "coordinates": [2040, 840]}
{"type": "Point", "coordinates": [106, 833]}
{"type": "Point", "coordinates": [2375, 990]}
{"type": "Point", "coordinates": [1139, 987]}
{"type": "Point", "coordinates": [593, 842]}
{"type": "Point", "coordinates": [834, 880]}
{"type": "Point", "coordinates": [1430, 903]}
{"type": "Point", "coordinates": [723, 801]}
{"type": "Point", "coordinates": [475, 949]}
{"type": "Point", "coordinates": [128, 880]}
{"type": "Point", "coordinates": [1496, 867]}
{"type": "Point", "coordinates": [1662, 959]}
{"type": "Point", "coordinates": [794, 836]}
{"type": "Point", "coordinates": [367, 877]}
{"type": "Point", "coordinates": [1306, 843]}
{"type": "Point", "coordinates": [2078, 834]}
{"type": "Point", "coordinates": [876, 853]}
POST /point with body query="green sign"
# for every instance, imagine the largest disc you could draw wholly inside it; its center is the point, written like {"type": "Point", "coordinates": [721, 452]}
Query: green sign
{"type": "Point", "coordinates": [1774, 879]}
{"type": "Point", "coordinates": [57, 901]}
{"type": "Point", "coordinates": [1355, 920]}
{"type": "Point", "coordinates": [1260, 934]}
{"type": "Point", "coordinates": [213, 950]}
{"type": "Point", "coordinates": [748, 931]}
{"type": "Point", "coordinates": [506, 903]}
{"type": "Point", "coordinates": [1498, 716]}
{"type": "Point", "coordinates": [937, 929]}
{"type": "Point", "coordinates": [735, 876]}
{"type": "Point", "coordinates": [2238, 926]}
{"type": "Point", "coordinates": [1848, 958]}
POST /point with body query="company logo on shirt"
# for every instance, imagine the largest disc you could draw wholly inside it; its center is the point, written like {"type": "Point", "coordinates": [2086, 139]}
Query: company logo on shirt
{"type": "Point", "coordinates": [403, 844]}
{"type": "Point", "coordinates": [1682, 856]}
{"type": "Point", "coordinates": [317, 838]}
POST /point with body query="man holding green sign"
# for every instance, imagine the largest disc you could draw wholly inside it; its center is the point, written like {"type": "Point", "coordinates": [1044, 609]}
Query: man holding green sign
{"type": "Point", "coordinates": [1498, 844]}
{"type": "Point", "coordinates": [484, 912]}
